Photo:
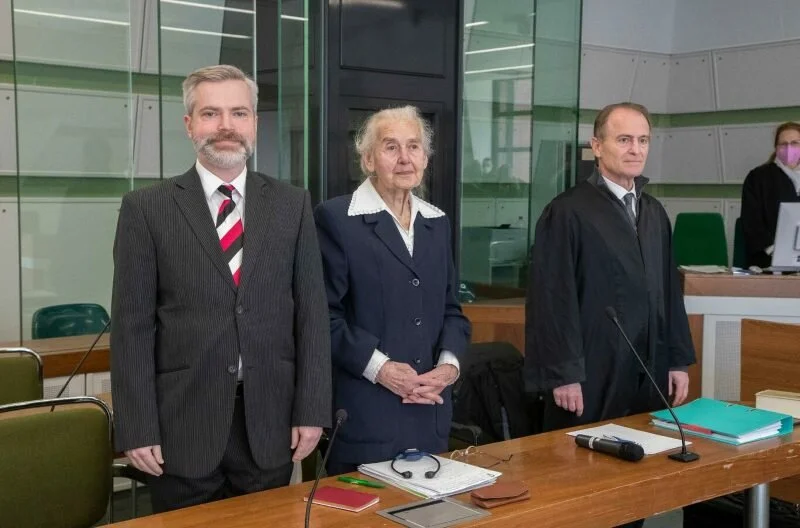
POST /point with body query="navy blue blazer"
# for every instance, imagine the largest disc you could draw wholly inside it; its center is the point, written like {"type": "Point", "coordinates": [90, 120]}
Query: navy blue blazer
{"type": "Point", "coordinates": [380, 297]}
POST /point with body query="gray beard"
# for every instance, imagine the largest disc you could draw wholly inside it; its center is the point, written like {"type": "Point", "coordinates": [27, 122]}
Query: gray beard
{"type": "Point", "coordinates": [224, 159]}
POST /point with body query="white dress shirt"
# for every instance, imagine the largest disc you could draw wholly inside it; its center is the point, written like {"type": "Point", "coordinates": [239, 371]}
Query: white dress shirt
{"type": "Point", "coordinates": [620, 192]}
{"type": "Point", "coordinates": [214, 199]}
{"type": "Point", "coordinates": [366, 200]}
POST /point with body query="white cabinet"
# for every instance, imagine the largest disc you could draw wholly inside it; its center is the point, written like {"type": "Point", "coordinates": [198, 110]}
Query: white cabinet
{"type": "Point", "coordinates": [8, 132]}
{"type": "Point", "coordinates": [675, 206]}
{"type": "Point", "coordinates": [744, 147]}
{"type": "Point", "coordinates": [6, 41]}
{"type": "Point", "coordinates": [511, 211]}
{"type": "Point", "coordinates": [651, 82]}
{"type": "Point", "coordinates": [691, 155]}
{"type": "Point", "coordinates": [477, 212]}
{"type": "Point", "coordinates": [691, 88]}
{"type": "Point", "coordinates": [758, 76]}
{"type": "Point", "coordinates": [74, 133]}
{"type": "Point", "coordinates": [76, 387]}
{"type": "Point", "coordinates": [91, 33]}
{"type": "Point", "coordinates": [177, 150]}
{"type": "Point", "coordinates": [9, 269]}
{"type": "Point", "coordinates": [606, 76]}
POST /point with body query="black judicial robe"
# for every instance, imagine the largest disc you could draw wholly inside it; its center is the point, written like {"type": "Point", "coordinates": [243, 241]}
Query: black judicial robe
{"type": "Point", "coordinates": [763, 191]}
{"type": "Point", "coordinates": [587, 256]}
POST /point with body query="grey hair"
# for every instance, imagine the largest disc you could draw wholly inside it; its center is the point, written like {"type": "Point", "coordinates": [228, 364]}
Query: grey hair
{"type": "Point", "coordinates": [368, 133]}
{"type": "Point", "coordinates": [219, 73]}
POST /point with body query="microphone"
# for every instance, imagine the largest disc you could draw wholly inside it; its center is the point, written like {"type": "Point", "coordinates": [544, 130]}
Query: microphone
{"type": "Point", "coordinates": [80, 363]}
{"type": "Point", "coordinates": [684, 455]}
{"type": "Point", "coordinates": [341, 417]}
{"type": "Point", "coordinates": [624, 449]}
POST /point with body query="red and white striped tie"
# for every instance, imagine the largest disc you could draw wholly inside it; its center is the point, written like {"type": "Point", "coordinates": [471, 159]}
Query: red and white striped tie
{"type": "Point", "coordinates": [230, 231]}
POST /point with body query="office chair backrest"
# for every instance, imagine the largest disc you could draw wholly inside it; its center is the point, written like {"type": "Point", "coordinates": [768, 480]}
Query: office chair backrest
{"type": "Point", "coordinates": [20, 375]}
{"type": "Point", "coordinates": [64, 320]}
{"type": "Point", "coordinates": [699, 239]}
{"type": "Point", "coordinates": [57, 464]}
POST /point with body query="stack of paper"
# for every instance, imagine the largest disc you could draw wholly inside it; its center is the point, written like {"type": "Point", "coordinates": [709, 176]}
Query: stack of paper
{"type": "Point", "coordinates": [726, 422]}
{"type": "Point", "coordinates": [779, 401]}
{"type": "Point", "coordinates": [454, 477]}
{"type": "Point", "coordinates": [704, 269]}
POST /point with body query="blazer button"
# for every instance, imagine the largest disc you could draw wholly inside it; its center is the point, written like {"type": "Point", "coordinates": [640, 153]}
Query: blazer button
{"type": "Point", "coordinates": [415, 281]}
{"type": "Point", "coordinates": [233, 369]}
{"type": "Point", "coordinates": [240, 310]}
{"type": "Point", "coordinates": [417, 321]}
{"type": "Point", "coordinates": [417, 361]}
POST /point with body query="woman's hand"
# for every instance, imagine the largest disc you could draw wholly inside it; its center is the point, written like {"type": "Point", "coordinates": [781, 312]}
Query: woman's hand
{"type": "Point", "coordinates": [431, 384]}
{"type": "Point", "coordinates": [399, 378]}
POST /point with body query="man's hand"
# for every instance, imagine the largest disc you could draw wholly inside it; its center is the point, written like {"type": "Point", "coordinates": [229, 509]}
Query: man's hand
{"type": "Point", "coordinates": [569, 397]}
{"type": "Point", "coordinates": [304, 440]}
{"type": "Point", "coordinates": [147, 459]}
{"type": "Point", "coordinates": [399, 378]}
{"type": "Point", "coordinates": [678, 386]}
{"type": "Point", "coordinates": [432, 384]}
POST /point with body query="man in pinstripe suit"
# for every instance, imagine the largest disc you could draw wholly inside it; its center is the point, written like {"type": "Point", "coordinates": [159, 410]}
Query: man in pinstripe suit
{"type": "Point", "coordinates": [220, 346]}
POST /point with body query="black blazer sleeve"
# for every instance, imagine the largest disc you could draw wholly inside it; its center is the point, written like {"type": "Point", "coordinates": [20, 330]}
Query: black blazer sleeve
{"type": "Point", "coordinates": [313, 391]}
{"type": "Point", "coordinates": [456, 329]}
{"type": "Point", "coordinates": [133, 316]}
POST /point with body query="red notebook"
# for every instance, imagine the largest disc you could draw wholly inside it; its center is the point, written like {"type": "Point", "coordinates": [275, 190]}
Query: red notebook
{"type": "Point", "coordinates": [344, 499]}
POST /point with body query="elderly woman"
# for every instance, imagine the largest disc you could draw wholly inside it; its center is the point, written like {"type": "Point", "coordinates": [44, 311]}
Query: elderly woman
{"type": "Point", "coordinates": [764, 189]}
{"type": "Point", "coordinates": [397, 329]}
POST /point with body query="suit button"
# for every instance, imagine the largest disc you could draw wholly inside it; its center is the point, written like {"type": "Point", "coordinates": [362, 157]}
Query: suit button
{"type": "Point", "coordinates": [415, 281]}
{"type": "Point", "coordinates": [240, 309]}
{"type": "Point", "coordinates": [233, 369]}
{"type": "Point", "coordinates": [417, 361]}
{"type": "Point", "coordinates": [417, 321]}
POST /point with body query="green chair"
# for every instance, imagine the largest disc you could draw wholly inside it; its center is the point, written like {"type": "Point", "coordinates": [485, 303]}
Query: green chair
{"type": "Point", "coordinates": [57, 465]}
{"type": "Point", "coordinates": [68, 320]}
{"type": "Point", "coordinates": [699, 239]}
{"type": "Point", "coordinates": [20, 375]}
{"type": "Point", "coordinates": [739, 255]}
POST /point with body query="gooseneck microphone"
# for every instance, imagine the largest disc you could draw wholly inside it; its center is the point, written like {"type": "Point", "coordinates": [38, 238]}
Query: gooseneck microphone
{"type": "Point", "coordinates": [684, 455]}
{"type": "Point", "coordinates": [83, 358]}
{"type": "Point", "coordinates": [624, 449]}
{"type": "Point", "coordinates": [341, 417]}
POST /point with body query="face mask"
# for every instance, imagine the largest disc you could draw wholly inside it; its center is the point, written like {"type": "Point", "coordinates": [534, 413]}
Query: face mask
{"type": "Point", "coordinates": [788, 154]}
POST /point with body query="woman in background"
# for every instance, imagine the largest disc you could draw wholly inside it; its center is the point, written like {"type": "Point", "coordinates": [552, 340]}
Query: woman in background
{"type": "Point", "coordinates": [397, 330]}
{"type": "Point", "coordinates": [764, 189]}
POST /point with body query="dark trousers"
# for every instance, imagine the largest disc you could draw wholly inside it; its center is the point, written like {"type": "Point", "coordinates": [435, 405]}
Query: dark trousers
{"type": "Point", "coordinates": [236, 475]}
{"type": "Point", "coordinates": [339, 468]}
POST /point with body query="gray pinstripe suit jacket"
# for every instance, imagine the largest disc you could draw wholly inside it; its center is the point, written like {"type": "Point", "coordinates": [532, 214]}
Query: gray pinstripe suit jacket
{"type": "Point", "coordinates": [179, 325]}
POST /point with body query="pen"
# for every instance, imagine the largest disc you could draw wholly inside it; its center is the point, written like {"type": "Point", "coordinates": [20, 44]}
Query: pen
{"type": "Point", "coordinates": [360, 482]}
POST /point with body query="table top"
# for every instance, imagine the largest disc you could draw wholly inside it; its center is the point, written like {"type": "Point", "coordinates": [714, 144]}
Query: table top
{"type": "Point", "coordinates": [569, 485]}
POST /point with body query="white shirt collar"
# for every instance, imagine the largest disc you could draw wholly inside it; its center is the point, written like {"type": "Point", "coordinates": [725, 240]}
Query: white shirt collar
{"type": "Point", "coordinates": [366, 200]}
{"type": "Point", "coordinates": [618, 190]}
{"type": "Point", "coordinates": [211, 181]}
{"type": "Point", "coordinates": [793, 174]}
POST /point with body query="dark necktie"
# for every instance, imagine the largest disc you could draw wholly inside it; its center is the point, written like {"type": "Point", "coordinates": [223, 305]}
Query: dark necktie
{"type": "Point", "coordinates": [230, 231]}
{"type": "Point", "coordinates": [629, 198]}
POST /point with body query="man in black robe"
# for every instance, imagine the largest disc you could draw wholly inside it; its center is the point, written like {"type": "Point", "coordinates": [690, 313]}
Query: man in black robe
{"type": "Point", "coordinates": [606, 243]}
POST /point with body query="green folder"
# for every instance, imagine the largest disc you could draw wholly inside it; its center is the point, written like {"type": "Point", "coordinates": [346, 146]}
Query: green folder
{"type": "Point", "coordinates": [726, 422]}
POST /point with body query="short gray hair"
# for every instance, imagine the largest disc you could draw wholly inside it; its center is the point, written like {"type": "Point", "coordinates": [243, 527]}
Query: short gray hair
{"type": "Point", "coordinates": [219, 73]}
{"type": "Point", "coordinates": [368, 133]}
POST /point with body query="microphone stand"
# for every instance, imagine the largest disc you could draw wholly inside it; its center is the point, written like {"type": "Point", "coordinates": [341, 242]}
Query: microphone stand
{"type": "Point", "coordinates": [684, 455]}
{"type": "Point", "coordinates": [341, 416]}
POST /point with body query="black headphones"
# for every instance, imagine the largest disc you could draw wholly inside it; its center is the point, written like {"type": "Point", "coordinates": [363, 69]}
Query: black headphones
{"type": "Point", "coordinates": [412, 455]}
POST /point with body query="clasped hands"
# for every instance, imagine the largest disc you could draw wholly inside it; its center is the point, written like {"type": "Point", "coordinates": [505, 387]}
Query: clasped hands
{"type": "Point", "coordinates": [423, 389]}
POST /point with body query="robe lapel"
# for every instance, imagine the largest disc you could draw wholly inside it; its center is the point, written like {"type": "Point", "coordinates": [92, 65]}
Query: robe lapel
{"type": "Point", "coordinates": [388, 234]}
{"type": "Point", "coordinates": [192, 202]}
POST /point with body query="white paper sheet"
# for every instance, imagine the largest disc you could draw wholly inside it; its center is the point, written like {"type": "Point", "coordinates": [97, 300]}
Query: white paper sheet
{"type": "Point", "coordinates": [651, 443]}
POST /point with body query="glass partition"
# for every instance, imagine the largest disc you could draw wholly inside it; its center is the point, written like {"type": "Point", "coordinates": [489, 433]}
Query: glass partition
{"type": "Point", "coordinates": [91, 107]}
{"type": "Point", "coordinates": [519, 123]}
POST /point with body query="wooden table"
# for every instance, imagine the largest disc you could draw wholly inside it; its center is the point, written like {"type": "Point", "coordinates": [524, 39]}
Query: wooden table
{"type": "Point", "coordinates": [61, 354]}
{"type": "Point", "coordinates": [570, 487]}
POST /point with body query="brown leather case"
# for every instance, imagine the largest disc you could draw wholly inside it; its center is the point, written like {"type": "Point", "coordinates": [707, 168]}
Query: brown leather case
{"type": "Point", "coordinates": [500, 493]}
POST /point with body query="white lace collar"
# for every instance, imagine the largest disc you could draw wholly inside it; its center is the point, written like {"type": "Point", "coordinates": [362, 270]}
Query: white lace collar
{"type": "Point", "coordinates": [366, 200]}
